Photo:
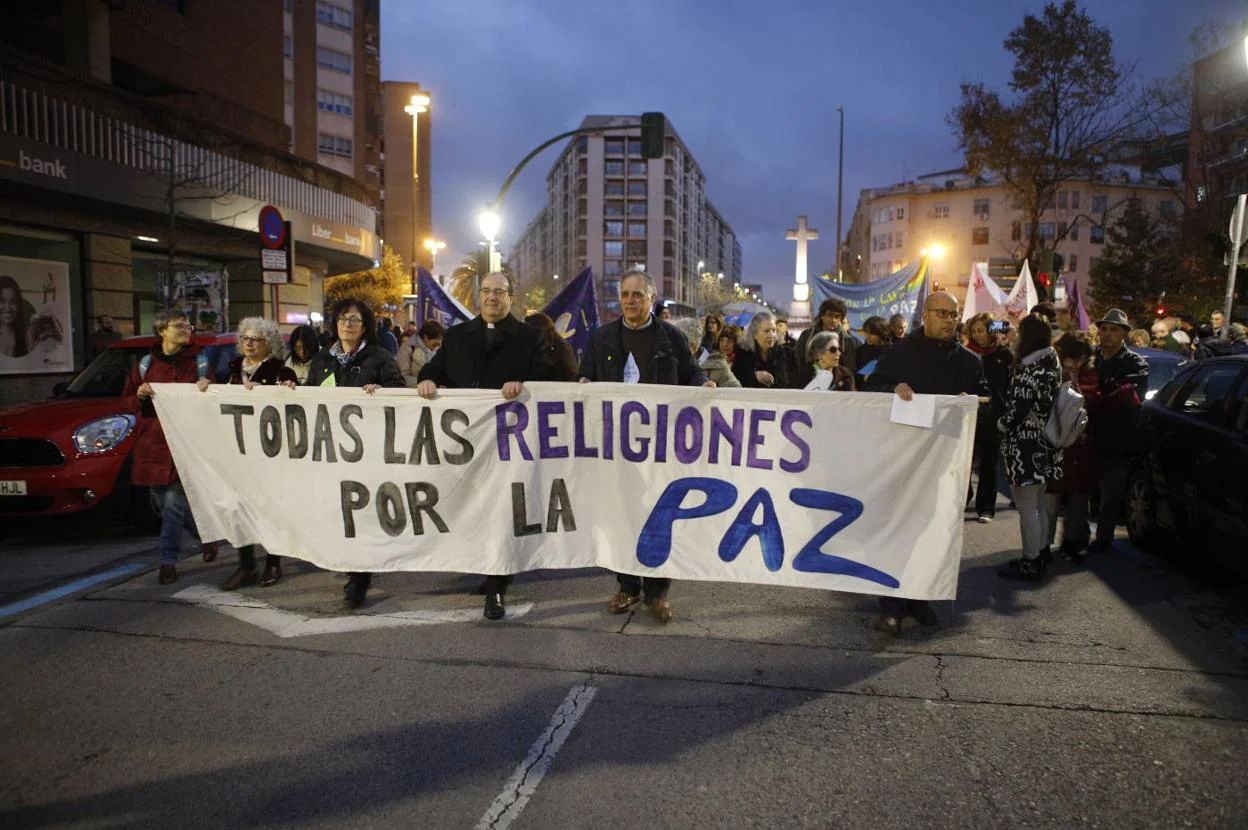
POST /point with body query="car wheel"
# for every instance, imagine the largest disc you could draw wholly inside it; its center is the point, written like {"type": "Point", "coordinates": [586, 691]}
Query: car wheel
{"type": "Point", "coordinates": [1141, 510]}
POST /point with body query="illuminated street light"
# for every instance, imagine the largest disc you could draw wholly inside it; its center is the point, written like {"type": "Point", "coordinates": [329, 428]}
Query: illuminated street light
{"type": "Point", "coordinates": [433, 246]}
{"type": "Point", "coordinates": [419, 104]}
{"type": "Point", "coordinates": [936, 251]}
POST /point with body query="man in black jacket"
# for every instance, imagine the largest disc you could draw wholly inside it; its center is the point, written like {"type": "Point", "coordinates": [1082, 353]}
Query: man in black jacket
{"type": "Point", "coordinates": [491, 351]}
{"type": "Point", "coordinates": [928, 361]}
{"type": "Point", "coordinates": [637, 348]}
{"type": "Point", "coordinates": [1123, 377]}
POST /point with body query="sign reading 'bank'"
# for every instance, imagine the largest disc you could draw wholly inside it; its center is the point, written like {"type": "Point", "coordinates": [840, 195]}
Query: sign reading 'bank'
{"type": "Point", "coordinates": [774, 487]}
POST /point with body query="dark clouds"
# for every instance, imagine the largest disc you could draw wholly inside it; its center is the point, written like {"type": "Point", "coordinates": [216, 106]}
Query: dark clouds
{"type": "Point", "coordinates": [751, 85]}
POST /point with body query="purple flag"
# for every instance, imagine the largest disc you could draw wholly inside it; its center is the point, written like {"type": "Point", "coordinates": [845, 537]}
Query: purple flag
{"type": "Point", "coordinates": [1074, 304]}
{"type": "Point", "coordinates": [434, 303]}
{"type": "Point", "coordinates": [575, 311]}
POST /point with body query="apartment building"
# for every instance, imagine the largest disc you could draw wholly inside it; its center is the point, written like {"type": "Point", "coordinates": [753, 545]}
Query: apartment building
{"type": "Point", "coordinates": [978, 220]}
{"type": "Point", "coordinates": [1218, 146]}
{"type": "Point", "coordinates": [407, 189]}
{"type": "Point", "coordinates": [610, 209]}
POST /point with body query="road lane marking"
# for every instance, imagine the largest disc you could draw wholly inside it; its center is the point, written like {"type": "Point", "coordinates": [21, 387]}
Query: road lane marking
{"type": "Point", "coordinates": [523, 782]}
{"type": "Point", "coordinates": [289, 624]}
{"type": "Point", "coordinates": [67, 589]}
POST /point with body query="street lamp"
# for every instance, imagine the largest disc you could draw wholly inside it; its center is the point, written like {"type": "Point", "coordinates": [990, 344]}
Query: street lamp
{"type": "Point", "coordinates": [489, 222]}
{"type": "Point", "coordinates": [433, 246]}
{"type": "Point", "coordinates": [418, 104]}
{"type": "Point", "coordinates": [934, 251]}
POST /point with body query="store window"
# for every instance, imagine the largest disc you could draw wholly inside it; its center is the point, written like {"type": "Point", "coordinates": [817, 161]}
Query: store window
{"type": "Point", "coordinates": [44, 282]}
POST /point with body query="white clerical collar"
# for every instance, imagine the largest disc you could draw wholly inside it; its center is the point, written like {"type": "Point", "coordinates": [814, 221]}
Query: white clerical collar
{"type": "Point", "coordinates": [649, 322]}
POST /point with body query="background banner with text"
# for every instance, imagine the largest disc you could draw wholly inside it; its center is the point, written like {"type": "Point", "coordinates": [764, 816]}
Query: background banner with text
{"type": "Point", "coordinates": [774, 487]}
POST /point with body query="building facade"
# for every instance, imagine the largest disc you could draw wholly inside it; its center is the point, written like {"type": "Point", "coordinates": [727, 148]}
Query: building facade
{"type": "Point", "coordinates": [978, 220]}
{"type": "Point", "coordinates": [138, 144]}
{"type": "Point", "coordinates": [610, 209]}
{"type": "Point", "coordinates": [1218, 145]}
{"type": "Point", "coordinates": [406, 192]}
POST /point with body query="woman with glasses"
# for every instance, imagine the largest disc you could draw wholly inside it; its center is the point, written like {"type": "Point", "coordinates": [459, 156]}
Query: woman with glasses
{"type": "Point", "coordinates": [824, 351]}
{"type": "Point", "coordinates": [258, 364]}
{"type": "Point", "coordinates": [354, 360]}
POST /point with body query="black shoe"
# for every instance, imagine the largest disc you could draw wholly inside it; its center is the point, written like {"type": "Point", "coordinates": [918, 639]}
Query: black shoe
{"type": "Point", "coordinates": [494, 608]}
{"type": "Point", "coordinates": [1101, 546]}
{"type": "Point", "coordinates": [1024, 570]}
{"type": "Point", "coordinates": [1073, 551]}
{"type": "Point", "coordinates": [356, 590]}
{"type": "Point", "coordinates": [1046, 556]}
{"type": "Point", "coordinates": [922, 612]}
{"type": "Point", "coordinates": [888, 624]}
{"type": "Point", "coordinates": [239, 579]}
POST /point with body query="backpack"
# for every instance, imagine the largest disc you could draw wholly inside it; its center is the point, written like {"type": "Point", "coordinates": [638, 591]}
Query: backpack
{"type": "Point", "coordinates": [1067, 419]}
{"type": "Point", "coordinates": [201, 366]}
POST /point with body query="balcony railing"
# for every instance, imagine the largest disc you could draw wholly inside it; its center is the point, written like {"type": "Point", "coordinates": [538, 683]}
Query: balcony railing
{"type": "Point", "coordinates": [31, 113]}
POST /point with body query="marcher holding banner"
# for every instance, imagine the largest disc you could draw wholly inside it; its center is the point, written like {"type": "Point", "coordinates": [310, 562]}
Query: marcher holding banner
{"type": "Point", "coordinates": [637, 348]}
{"type": "Point", "coordinates": [929, 361]}
{"type": "Point", "coordinates": [492, 351]}
{"type": "Point", "coordinates": [353, 361]}
{"type": "Point", "coordinates": [830, 375]}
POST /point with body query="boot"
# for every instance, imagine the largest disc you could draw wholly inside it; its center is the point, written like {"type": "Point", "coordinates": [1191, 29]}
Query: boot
{"type": "Point", "coordinates": [1024, 570]}
{"type": "Point", "coordinates": [356, 590]}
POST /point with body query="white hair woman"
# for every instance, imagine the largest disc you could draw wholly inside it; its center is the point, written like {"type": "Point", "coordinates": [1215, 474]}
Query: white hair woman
{"type": "Point", "coordinates": [824, 352]}
{"type": "Point", "coordinates": [259, 363]}
{"type": "Point", "coordinates": [759, 364]}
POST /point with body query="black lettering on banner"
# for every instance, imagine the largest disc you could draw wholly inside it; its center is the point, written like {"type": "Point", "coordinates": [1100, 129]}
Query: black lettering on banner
{"type": "Point", "coordinates": [238, 411]}
{"type": "Point", "coordinates": [296, 430]}
{"type": "Point", "coordinates": [390, 511]}
{"type": "Point", "coordinates": [389, 455]}
{"type": "Point", "coordinates": [270, 431]}
{"type": "Point", "coordinates": [424, 445]}
{"type": "Point", "coordinates": [344, 420]}
{"type": "Point", "coordinates": [354, 497]}
{"type": "Point", "coordinates": [422, 497]}
{"type": "Point", "coordinates": [323, 437]}
{"type": "Point", "coordinates": [560, 509]}
{"type": "Point", "coordinates": [450, 418]}
{"type": "Point", "coordinates": [519, 513]}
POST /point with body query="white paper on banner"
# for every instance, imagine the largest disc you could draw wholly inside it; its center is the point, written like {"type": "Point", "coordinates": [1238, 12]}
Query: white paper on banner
{"type": "Point", "coordinates": [778, 487]}
{"type": "Point", "coordinates": [919, 411]}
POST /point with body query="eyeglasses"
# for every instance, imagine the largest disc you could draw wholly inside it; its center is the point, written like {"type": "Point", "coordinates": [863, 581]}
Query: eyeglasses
{"type": "Point", "coordinates": [494, 292]}
{"type": "Point", "coordinates": [943, 313]}
{"type": "Point", "coordinates": [247, 338]}
{"type": "Point", "coordinates": [350, 321]}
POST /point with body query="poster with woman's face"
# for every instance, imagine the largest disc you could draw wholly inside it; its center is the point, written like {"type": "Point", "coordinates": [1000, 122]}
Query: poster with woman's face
{"type": "Point", "coordinates": [35, 333]}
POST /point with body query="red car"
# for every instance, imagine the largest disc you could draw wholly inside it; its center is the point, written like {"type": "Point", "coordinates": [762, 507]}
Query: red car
{"type": "Point", "coordinates": [72, 453]}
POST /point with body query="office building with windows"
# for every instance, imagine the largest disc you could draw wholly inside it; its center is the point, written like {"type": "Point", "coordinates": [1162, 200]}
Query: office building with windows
{"type": "Point", "coordinates": [612, 210]}
{"type": "Point", "coordinates": [979, 220]}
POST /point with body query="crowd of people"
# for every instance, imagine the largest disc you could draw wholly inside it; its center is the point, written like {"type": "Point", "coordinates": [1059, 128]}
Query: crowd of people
{"type": "Point", "coordinates": [1017, 375]}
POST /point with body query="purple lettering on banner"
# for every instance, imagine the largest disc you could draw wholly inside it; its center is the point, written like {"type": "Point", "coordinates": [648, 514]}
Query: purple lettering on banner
{"type": "Point", "coordinates": [757, 417]}
{"type": "Point", "coordinates": [581, 449]}
{"type": "Point", "coordinates": [688, 426]}
{"type": "Point", "coordinates": [734, 433]}
{"type": "Point", "coordinates": [547, 432]}
{"type": "Point", "coordinates": [515, 428]}
{"type": "Point", "coordinates": [790, 419]}
{"type": "Point", "coordinates": [660, 434]}
{"type": "Point", "coordinates": [626, 432]}
{"type": "Point", "coordinates": [608, 432]}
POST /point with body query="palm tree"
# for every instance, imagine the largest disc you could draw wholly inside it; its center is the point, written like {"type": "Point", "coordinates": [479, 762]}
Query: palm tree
{"type": "Point", "coordinates": [466, 278]}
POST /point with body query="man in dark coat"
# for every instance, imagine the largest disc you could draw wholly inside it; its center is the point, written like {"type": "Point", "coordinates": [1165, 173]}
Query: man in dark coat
{"type": "Point", "coordinates": [98, 341]}
{"type": "Point", "coordinates": [491, 351]}
{"type": "Point", "coordinates": [928, 361]}
{"type": "Point", "coordinates": [638, 348]}
{"type": "Point", "coordinates": [1115, 417]}
{"type": "Point", "coordinates": [175, 359]}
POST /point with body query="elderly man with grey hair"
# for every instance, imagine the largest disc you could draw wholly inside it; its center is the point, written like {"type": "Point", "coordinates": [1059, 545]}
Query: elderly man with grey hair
{"type": "Point", "coordinates": [638, 348]}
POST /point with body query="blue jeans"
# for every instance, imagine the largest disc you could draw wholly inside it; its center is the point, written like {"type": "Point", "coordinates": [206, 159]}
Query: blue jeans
{"type": "Point", "coordinates": [169, 501]}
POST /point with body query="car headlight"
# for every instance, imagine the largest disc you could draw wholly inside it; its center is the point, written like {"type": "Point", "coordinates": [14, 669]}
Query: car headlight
{"type": "Point", "coordinates": [1148, 396]}
{"type": "Point", "coordinates": [103, 434]}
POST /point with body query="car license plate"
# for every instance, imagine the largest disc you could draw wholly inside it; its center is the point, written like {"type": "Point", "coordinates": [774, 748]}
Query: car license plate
{"type": "Point", "coordinates": [12, 488]}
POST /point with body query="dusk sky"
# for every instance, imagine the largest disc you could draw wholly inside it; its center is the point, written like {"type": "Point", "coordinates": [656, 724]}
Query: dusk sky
{"type": "Point", "coordinates": [751, 86]}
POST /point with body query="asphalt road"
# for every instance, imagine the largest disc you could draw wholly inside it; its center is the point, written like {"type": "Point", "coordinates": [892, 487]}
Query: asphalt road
{"type": "Point", "coordinates": [1114, 695]}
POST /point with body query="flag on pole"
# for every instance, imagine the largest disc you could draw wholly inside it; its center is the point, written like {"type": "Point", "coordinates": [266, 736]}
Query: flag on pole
{"type": "Point", "coordinates": [1022, 297]}
{"type": "Point", "coordinates": [1074, 304]}
{"type": "Point", "coordinates": [433, 303]}
{"type": "Point", "coordinates": [983, 294]}
{"type": "Point", "coordinates": [575, 311]}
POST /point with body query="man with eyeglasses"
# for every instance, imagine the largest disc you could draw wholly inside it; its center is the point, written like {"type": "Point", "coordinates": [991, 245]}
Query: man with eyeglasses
{"type": "Point", "coordinates": [928, 361]}
{"type": "Point", "coordinates": [638, 348]}
{"type": "Point", "coordinates": [492, 351]}
{"type": "Point", "coordinates": [175, 359]}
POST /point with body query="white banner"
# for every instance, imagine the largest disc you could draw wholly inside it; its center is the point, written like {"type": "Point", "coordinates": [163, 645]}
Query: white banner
{"type": "Point", "coordinates": [815, 490]}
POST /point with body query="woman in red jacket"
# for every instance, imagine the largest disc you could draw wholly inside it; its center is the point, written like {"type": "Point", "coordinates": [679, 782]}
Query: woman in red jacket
{"type": "Point", "coordinates": [173, 360]}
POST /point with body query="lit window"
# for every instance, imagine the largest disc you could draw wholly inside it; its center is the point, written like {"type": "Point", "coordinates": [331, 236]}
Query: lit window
{"type": "Point", "coordinates": [615, 228]}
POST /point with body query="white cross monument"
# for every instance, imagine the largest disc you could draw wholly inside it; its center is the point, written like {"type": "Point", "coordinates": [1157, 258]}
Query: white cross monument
{"type": "Point", "coordinates": [800, 308]}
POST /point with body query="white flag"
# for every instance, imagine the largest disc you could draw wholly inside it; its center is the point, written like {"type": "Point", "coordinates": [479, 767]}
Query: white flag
{"type": "Point", "coordinates": [1023, 297]}
{"type": "Point", "coordinates": [983, 294]}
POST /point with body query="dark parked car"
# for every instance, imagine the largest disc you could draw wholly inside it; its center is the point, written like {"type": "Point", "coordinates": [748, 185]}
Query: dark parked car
{"type": "Point", "coordinates": [1162, 366]}
{"type": "Point", "coordinates": [1191, 486]}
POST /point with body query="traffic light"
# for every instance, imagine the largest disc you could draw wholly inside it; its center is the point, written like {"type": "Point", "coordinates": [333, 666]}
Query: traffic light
{"type": "Point", "coordinates": [1161, 311]}
{"type": "Point", "coordinates": [653, 131]}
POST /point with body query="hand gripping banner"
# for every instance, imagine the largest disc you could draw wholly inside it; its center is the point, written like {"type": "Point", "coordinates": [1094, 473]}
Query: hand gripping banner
{"type": "Point", "coordinates": [773, 487]}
